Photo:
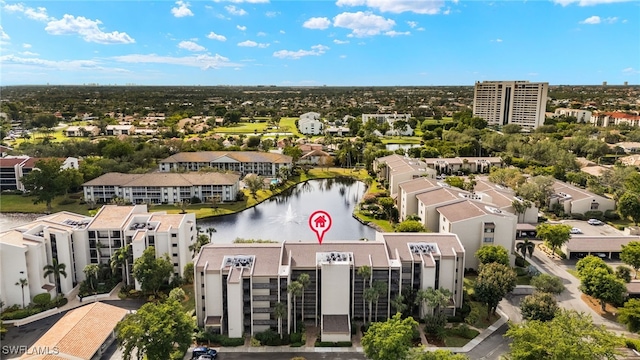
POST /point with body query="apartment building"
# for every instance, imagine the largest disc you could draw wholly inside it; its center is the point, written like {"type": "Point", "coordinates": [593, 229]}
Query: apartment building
{"type": "Point", "coordinates": [238, 285]}
{"type": "Point", "coordinates": [243, 162]}
{"type": "Point", "coordinates": [77, 241]}
{"type": "Point", "coordinates": [503, 198]}
{"type": "Point", "coordinates": [162, 188]}
{"type": "Point", "coordinates": [511, 102]}
{"type": "Point", "coordinates": [120, 130]}
{"type": "Point", "coordinates": [82, 131]}
{"type": "Point", "coordinates": [396, 169]}
{"type": "Point", "coordinates": [615, 118]}
{"type": "Point", "coordinates": [12, 169]}
{"type": "Point", "coordinates": [574, 200]}
{"type": "Point", "coordinates": [475, 165]}
{"type": "Point", "coordinates": [388, 118]}
{"type": "Point", "coordinates": [310, 124]}
{"type": "Point", "coordinates": [583, 116]}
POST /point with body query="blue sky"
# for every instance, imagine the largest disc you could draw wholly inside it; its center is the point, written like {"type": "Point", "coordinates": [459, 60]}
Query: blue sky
{"type": "Point", "coordinates": [310, 43]}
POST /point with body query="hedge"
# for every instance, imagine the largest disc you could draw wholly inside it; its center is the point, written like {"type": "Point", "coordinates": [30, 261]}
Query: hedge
{"type": "Point", "coordinates": [333, 344]}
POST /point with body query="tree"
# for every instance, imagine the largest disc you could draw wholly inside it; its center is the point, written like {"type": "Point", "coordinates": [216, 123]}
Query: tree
{"type": "Point", "coordinates": [387, 204]}
{"type": "Point", "coordinates": [554, 235]}
{"type": "Point", "coordinates": [326, 162]}
{"type": "Point", "coordinates": [91, 274]}
{"type": "Point", "coordinates": [526, 247]}
{"type": "Point", "coordinates": [399, 304]}
{"type": "Point", "coordinates": [155, 331]}
{"type": "Point", "coordinates": [380, 288]}
{"type": "Point", "coordinates": [389, 340]}
{"type": "Point", "coordinates": [493, 254]}
{"type": "Point", "coordinates": [292, 151]}
{"type": "Point", "coordinates": [280, 312]}
{"type": "Point", "coordinates": [493, 283]}
{"type": "Point", "coordinates": [120, 260]}
{"type": "Point", "coordinates": [539, 306]}
{"type": "Point", "coordinates": [511, 129]}
{"type": "Point", "coordinates": [364, 272]}
{"type": "Point", "coordinates": [547, 283]}
{"type": "Point", "coordinates": [201, 241]}
{"type": "Point", "coordinates": [630, 255]}
{"type": "Point", "coordinates": [177, 294]}
{"type": "Point", "coordinates": [520, 207]}
{"type": "Point", "coordinates": [629, 207]}
{"type": "Point", "coordinates": [56, 270]}
{"type": "Point", "coordinates": [210, 231]}
{"type": "Point", "coordinates": [255, 183]}
{"type": "Point", "coordinates": [569, 336]}
{"type": "Point", "coordinates": [295, 290]}
{"type": "Point", "coordinates": [41, 181]}
{"type": "Point", "coordinates": [253, 142]}
{"type": "Point", "coordinates": [433, 299]}
{"type": "Point", "coordinates": [629, 314]}
{"type": "Point", "coordinates": [22, 283]}
{"type": "Point", "coordinates": [188, 273]}
{"type": "Point", "coordinates": [602, 285]}
{"type": "Point", "coordinates": [420, 353]}
{"type": "Point", "coordinates": [152, 272]}
{"type": "Point", "coordinates": [410, 226]}
{"type": "Point", "coordinates": [304, 281]}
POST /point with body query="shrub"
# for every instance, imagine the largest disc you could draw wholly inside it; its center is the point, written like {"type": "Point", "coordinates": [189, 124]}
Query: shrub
{"type": "Point", "coordinates": [611, 215]}
{"type": "Point", "coordinates": [195, 200]}
{"type": "Point", "coordinates": [295, 337]}
{"type": "Point", "coordinates": [227, 341]}
{"type": "Point", "coordinates": [520, 263]}
{"type": "Point", "coordinates": [594, 215]}
{"type": "Point", "coordinates": [268, 337]}
{"type": "Point", "coordinates": [464, 331]}
{"type": "Point", "coordinates": [67, 201]}
{"type": "Point", "coordinates": [632, 343]}
{"type": "Point", "coordinates": [255, 342]}
{"type": "Point", "coordinates": [577, 216]}
{"type": "Point", "coordinates": [473, 317]}
{"type": "Point", "coordinates": [433, 323]}
{"type": "Point", "coordinates": [296, 344]}
{"type": "Point", "coordinates": [43, 299]}
{"type": "Point", "coordinates": [334, 344]}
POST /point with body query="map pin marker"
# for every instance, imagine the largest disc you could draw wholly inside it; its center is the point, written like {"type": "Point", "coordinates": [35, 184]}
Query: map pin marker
{"type": "Point", "coordinates": [320, 222]}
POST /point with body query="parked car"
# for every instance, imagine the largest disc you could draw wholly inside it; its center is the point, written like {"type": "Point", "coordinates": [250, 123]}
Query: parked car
{"type": "Point", "coordinates": [601, 255]}
{"type": "Point", "coordinates": [576, 230]}
{"type": "Point", "coordinates": [203, 353]}
{"type": "Point", "coordinates": [594, 222]}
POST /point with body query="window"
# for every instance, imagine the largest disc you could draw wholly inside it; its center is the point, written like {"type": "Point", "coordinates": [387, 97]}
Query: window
{"type": "Point", "coordinates": [174, 245]}
{"type": "Point", "coordinates": [175, 254]}
{"type": "Point", "coordinates": [175, 264]}
{"type": "Point", "coordinates": [594, 206]}
{"type": "Point", "coordinates": [174, 235]}
{"type": "Point", "coordinates": [488, 239]}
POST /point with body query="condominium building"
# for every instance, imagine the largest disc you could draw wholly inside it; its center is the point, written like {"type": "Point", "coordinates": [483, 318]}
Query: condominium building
{"type": "Point", "coordinates": [13, 168]}
{"type": "Point", "coordinates": [582, 116]}
{"type": "Point", "coordinates": [396, 169]}
{"type": "Point", "coordinates": [310, 124]}
{"type": "Point", "coordinates": [615, 118]}
{"type": "Point", "coordinates": [77, 241]}
{"type": "Point", "coordinates": [511, 102]}
{"type": "Point", "coordinates": [158, 188]}
{"type": "Point", "coordinates": [243, 162]}
{"type": "Point", "coordinates": [238, 285]}
{"type": "Point", "coordinates": [574, 200]}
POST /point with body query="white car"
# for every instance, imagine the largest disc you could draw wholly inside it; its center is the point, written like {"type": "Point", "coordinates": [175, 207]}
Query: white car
{"type": "Point", "coordinates": [575, 230]}
{"type": "Point", "coordinates": [594, 222]}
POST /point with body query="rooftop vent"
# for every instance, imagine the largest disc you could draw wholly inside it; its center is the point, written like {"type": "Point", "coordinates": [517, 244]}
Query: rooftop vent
{"type": "Point", "coordinates": [491, 209]}
{"type": "Point", "coordinates": [564, 195]}
{"type": "Point", "coordinates": [334, 256]}
{"type": "Point", "coordinates": [423, 248]}
{"type": "Point", "coordinates": [443, 184]}
{"type": "Point", "coordinates": [77, 223]}
{"type": "Point", "coordinates": [470, 196]}
{"type": "Point", "coordinates": [239, 261]}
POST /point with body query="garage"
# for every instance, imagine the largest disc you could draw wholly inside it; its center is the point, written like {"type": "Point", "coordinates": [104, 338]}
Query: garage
{"type": "Point", "coordinates": [604, 247]}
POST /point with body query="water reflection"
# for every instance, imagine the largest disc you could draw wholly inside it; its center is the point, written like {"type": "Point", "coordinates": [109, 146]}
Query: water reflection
{"type": "Point", "coordinates": [285, 217]}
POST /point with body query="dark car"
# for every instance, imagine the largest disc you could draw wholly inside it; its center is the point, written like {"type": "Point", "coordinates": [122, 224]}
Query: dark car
{"type": "Point", "coordinates": [204, 352]}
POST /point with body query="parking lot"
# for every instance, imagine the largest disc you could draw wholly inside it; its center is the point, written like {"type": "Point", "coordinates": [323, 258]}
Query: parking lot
{"type": "Point", "coordinates": [593, 230]}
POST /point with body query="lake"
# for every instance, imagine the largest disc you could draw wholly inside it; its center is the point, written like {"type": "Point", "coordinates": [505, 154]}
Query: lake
{"type": "Point", "coordinates": [286, 216]}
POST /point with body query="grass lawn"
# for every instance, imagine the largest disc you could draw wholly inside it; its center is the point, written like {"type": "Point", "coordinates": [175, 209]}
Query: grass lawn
{"type": "Point", "coordinates": [189, 305]}
{"type": "Point", "coordinates": [289, 125]}
{"type": "Point", "coordinates": [523, 280]}
{"type": "Point", "coordinates": [10, 203]}
{"type": "Point", "coordinates": [574, 273]}
{"type": "Point", "coordinates": [401, 140]}
{"type": "Point", "coordinates": [452, 339]}
{"type": "Point", "coordinates": [243, 128]}
{"type": "Point", "coordinates": [384, 224]}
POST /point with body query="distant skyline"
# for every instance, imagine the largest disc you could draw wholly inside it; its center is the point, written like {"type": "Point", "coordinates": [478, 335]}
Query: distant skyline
{"type": "Point", "coordinates": [314, 43]}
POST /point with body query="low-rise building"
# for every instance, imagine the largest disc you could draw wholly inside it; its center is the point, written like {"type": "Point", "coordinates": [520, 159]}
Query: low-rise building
{"type": "Point", "coordinates": [310, 124]}
{"type": "Point", "coordinates": [82, 131]}
{"type": "Point", "coordinates": [388, 118]}
{"type": "Point", "coordinates": [396, 169]}
{"type": "Point", "coordinates": [13, 169]}
{"type": "Point", "coordinates": [475, 165]}
{"type": "Point", "coordinates": [574, 200]}
{"type": "Point", "coordinates": [238, 285]}
{"type": "Point", "coordinates": [605, 247]}
{"type": "Point", "coordinates": [582, 116]}
{"type": "Point", "coordinates": [159, 188]}
{"type": "Point", "coordinates": [615, 118]}
{"type": "Point", "coordinates": [120, 130]}
{"type": "Point", "coordinates": [243, 162]}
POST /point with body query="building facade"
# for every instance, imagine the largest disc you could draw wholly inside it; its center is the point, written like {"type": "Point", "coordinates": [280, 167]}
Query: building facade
{"type": "Point", "coordinates": [238, 285]}
{"type": "Point", "coordinates": [243, 162]}
{"type": "Point", "coordinates": [511, 102]}
{"type": "Point", "coordinates": [162, 188]}
{"type": "Point", "coordinates": [310, 124]}
{"type": "Point", "coordinates": [583, 116]}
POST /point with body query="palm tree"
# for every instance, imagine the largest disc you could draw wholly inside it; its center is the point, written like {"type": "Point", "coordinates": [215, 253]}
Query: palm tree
{"type": "Point", "coordinates": [304, 280]}
{"type": "Point", "coordinates": [520, 207]}
{"type": "Point", "coordinates": [22, 283]}
{"type": "Point", "coordinates": [91, 272]}
{"type": "Point", "coordinates": [380, 289]}
{"type": "Point", "coordinates": [210, 231]}
{"type": "Point", "coordinates": [295, 289]}
{"type": "Point", "coordinates": [121, 257]}
{"type": "Point", "coordinates": [525, 247]}
{"type": "Point", "coordinates": [280, 312]}
{"type": "Point", "coordinates": [399, 304]}
{"type": "Point", "coordinates": [369, 296]}
{"type": "Point", "coordinates": [56, 269]}
{"type": "Point", "coordinates": [365, 273]}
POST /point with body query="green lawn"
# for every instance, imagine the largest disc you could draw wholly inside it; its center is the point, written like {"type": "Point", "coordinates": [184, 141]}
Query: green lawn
{"type": "Point", "coordinates": [289, 125]}
{"type": "Point", "coordinates": [243, 128]}
{"type": "Point", "coordinates": [10, 203]}
{"type": "Point", "coordinates": [189, 305]}
{"type": "Point", "coordinates": [401, 140]}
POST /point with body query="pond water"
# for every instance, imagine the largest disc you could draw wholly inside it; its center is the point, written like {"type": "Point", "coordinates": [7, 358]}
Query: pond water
{"type": "Point", "coordinates": [8, 221]}
{"type": "Point", "coordinates": [286, 216]}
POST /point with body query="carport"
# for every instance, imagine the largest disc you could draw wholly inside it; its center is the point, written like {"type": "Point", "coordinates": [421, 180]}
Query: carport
{"type": "Point", "coordinates": [526, 231]}
{"type": "Point", "coordinates": [605, 247]}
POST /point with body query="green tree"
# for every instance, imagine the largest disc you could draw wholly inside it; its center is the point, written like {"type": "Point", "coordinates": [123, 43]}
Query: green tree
{"type": "Point", "coordinates": [554, 235]}
{"type": "Point", "coordinates": [589, 263]}
{"type": "Point", "coordinates": [629, 315]}
{"type": "Point", "coordinates": [379, 289]}
{"type": "Point", "coordinates": [280, 312]}
{"type": "Point", "coordinates": [69, 180]}
{"type": "Point", "coordinates": [547, 283]}
{"type": "Point", "coordinates": [632, 183]}
{"type": "Point", "coordinates": [410, 226]}
{"type": "Point", "coordinates": [433, 299]}
{"type": "Point", "coordinates": [539, 306]}
{"type": "Point", "coordinates": [630, 255]}
{"type": "Point", "coordinates": [117, 149]}
{"type": "Point", "coordinates": [602, 285]}
{"type": "Point", "coordinates": [520, 207]}
{"type": "Point", "coordinates": [455, 181]}
{"type": "Point", "coordinates": [188, 273]}
{"type": "Point", "coordinates": [526, 247]}
{"type": "Point", "coordinates": [511, 129]}
{"type": "Point", "coordinates": [91, 275]}
{"type": "Point", "coordinates": [304, 281]}
{"type": "Point", "coordinates": [42, 181]}
{"type": "Point", "coordinates": [493, 283]}
{"type": "Point", "coordinates": [389, 340]}
{"type": "Point", "coordinates": [420, 353]}
{"type": "Point", "coordinates": [233, 117]}
{"type": "Point", "coordinates": [629, 207]}
{"type": "Point", "coordinates": [255, 184]}
{"type": "Point", "coordinates": [22, 283]}
{"type": "Point", "coordinates": [365, 273]}
{"type": "Point", "coordinates": [295, 290]}
{"type": "Point", "coordinates": [201, 241]}
{"type": "Point", "coordinates": [120, 261]}
{"type": "Point", "coordinates": [493, 254]}
{"type": "Point", "coordinates": [569, 336]}
{"type": "Point", "coordinates": [177, 294]}
{"type": "Point", "coordinates": [292, 151]}
{"type": "Point", "coordinates": [155, 331]}
{"type": "Point", "coordinates": [152, 273]}
{"type": "Point", "coordinates": [56, 270]}
{"type": "Point", "coordinates": [387, 204]}
{"type": "Point", "coordinates": [253, 142]}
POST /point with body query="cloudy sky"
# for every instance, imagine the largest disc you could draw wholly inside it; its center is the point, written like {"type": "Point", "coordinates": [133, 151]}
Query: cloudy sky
{"type": "Point", "coordinates": [308, 43]}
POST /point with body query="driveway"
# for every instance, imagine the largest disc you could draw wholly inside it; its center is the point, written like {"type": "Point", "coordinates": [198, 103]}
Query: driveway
{"type": "Point", "coordinates": [592, 230]}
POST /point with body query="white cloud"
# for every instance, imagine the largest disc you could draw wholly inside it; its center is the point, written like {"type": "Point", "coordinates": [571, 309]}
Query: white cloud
{"type": "Point", "coordinates": [591, 20]}
{"type": "Point", "coordinates": [587, 2]}
{"type": "Point", "coordinates": [245, 1]}
{"type": "Point", "coordinates": [316, 50]}
{"type": "Point", "coordinates": [3, 35]}
{"type": "Point", "coordinates": [429, 7]}
{"type": "Point", "coordinates": [65, 65]}
{"type": "Point", "coordinates": [363, 23]}
{"type": "Point", "coordinates": [340, 42]}
{"type": "Point", "coordinates": [25, 46]}
{"type": "Point", "coordinates": [182, 9]}
{"type": "Point", "coordinates": [251, 43]}
{"type": "Point", "coordinates": [343, 56]}
{"type": "Point", "coordinates": [214, 36]}
{"type": "Point", "coordinates": [261, 33]}
{"type": "Point", "coordinates": [394, 33]}
{"type": "Point", "coordinates": [497, 40]}
{"type": "Point", "coordinates": [631, 71]}
{"type": "Point", "coordinates": [39, 14]}
{"type": "Point", "coordinates": [282, 32]}
{"type": "Point", "coordinates": [271, 14]}
{"type": "Point", "coordinates": [191, 46]}
{"type": "Point", "coordinates": [201, 61]}
{"type": "Point", "coordinates": [87, 29]}
{"type": "Point", "coordinates": [319, 23]}
{"type": "Point", "coordinates": [29, 53]}
{"type": "Point", "coordinates": [241, 28]}
{"type": "Point", "coordinates": [420, 29]}
{"type": "Point", "coordinates": [412, 24]}
{"type": "Point", "coordinates": [234, 10]}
